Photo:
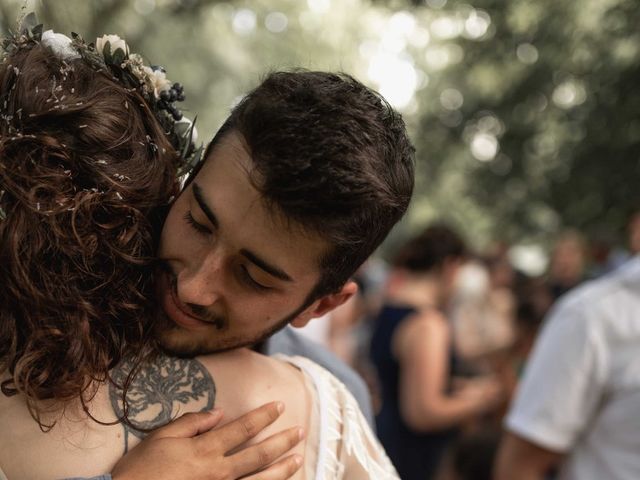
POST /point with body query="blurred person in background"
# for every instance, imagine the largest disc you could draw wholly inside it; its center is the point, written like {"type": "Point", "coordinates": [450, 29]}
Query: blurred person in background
{"type": "Point", "coordinates": [533, 299]}
{"type": "Point", "coordinates": [607, 255]}
{"type": "Point", "coordinates": [528, 322]}
{"type": "Point", "coordinates": [483, 308]}
{"type": "Point", "coordinates": [578, 404]}
{"type": "Point", "coordinates": [349, 331]}
{"type": "Point", "coordinates": [633, 231]}
{"type": "Point", "coordinates": [472, 456]}
{"type": "Point", "coordinates": [412, 351]}
{"type": "Point", "coordinates": [568, 264]}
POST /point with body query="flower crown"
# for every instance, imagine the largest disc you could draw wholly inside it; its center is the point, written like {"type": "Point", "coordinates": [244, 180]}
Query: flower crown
{"type": "Point", "coordinates": [111, 54]}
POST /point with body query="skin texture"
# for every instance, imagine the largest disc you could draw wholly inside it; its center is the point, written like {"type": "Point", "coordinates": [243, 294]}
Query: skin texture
{"type": "Point", "coordinates": [234, 271]}
{"type": "Point", "coordinates": [186, 448]}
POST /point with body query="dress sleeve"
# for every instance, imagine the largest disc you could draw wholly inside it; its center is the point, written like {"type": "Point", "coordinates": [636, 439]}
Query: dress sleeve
{"type": "Point", "coordinates": [347, 447]}
{"type": "Point", "coordinates": [359, 449]}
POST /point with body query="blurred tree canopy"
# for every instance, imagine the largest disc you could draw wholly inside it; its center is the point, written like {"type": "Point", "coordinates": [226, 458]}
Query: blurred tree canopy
{"type": "Point", "coordinates": [524, 114]}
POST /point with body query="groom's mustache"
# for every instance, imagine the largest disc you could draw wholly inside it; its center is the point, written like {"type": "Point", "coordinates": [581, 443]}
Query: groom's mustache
{"type": "Point", "coordinates": [198, 311]}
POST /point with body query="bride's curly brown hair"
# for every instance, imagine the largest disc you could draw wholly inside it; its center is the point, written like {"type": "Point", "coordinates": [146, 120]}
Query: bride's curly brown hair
{"type": "Point", "coordinates": [86, 173]}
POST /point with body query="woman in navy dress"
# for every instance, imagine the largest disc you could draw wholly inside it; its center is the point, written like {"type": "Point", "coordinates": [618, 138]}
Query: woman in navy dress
{"type": "Point", "coordinates": [412, 351]}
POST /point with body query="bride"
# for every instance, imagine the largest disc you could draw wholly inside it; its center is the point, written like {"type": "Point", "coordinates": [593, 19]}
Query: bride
{"type": "Point", "coordinates": [92, 149]}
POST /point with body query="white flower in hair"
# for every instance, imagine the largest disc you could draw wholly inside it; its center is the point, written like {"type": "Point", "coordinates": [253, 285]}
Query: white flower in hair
{"type": "Point", "coordinates": [115, 43]}
{"type": "Point", "coordinates": [158, 79]}
{"type": "Point", "coordinates": [185, 127]}
{"type": "Point", "coordinates": [60, 45]}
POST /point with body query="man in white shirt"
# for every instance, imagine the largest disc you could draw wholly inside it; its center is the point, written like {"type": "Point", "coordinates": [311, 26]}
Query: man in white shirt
{"type": "Point", "coordinates": [578, 405]}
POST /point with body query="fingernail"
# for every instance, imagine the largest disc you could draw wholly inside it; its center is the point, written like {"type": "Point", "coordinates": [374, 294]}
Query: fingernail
{"type": "Point", "coordinates": [298, 460]}
{"type": "Point", "coordinates": [280, 407]}
{"type": "Point", "coordinates": [300, 433]}
{"type": "Point", "coordinates": [215, 412]}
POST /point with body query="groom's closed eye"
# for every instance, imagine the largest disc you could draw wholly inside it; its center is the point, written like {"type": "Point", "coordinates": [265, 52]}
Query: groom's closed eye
{"type": "Point", "coordinates": [252, 282]}
{"type": "Point", "coordinates": [268, 268]}
{"type": "Point", "coordinates": [198, 227]}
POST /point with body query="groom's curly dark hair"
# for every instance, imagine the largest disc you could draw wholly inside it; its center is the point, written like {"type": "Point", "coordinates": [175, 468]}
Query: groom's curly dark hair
{"type": "Point", "coordinates": [85, 173]}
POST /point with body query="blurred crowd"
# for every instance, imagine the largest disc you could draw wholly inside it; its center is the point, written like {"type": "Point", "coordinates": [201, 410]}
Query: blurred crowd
{"type": "Point", "coordinates": [442, 334]}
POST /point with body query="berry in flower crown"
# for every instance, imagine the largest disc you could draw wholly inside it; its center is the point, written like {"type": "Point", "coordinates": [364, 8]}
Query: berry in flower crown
{"type": "Point", "coordinates": [111, 54]}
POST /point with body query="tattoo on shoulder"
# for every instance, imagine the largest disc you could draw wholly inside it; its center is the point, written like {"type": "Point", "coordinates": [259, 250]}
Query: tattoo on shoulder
{"type": "Point", "coordinates": [160, 392]}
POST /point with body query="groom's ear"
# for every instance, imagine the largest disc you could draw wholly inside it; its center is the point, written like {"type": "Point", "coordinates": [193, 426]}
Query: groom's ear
{"type": "Point", "coordinates": [325, 304]}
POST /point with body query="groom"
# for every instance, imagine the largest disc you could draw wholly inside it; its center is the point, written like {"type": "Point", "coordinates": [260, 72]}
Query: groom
{"type": "Point", "coordinates": [300, 185]}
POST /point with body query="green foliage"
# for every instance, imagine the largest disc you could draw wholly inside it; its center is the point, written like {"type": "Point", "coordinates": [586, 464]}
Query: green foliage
{"type": "Point", "coordinates": [524, 113]}
{"type": "Point", "coordinates": [564, 99]}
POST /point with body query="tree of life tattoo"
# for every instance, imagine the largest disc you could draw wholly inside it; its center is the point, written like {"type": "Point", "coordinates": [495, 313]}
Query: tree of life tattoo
{"type": "Point", "coordinates": [159, 392]}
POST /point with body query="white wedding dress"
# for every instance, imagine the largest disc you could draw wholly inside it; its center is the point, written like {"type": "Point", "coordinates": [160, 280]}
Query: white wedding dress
{"type": "Point", "coordinates": [341, 444]}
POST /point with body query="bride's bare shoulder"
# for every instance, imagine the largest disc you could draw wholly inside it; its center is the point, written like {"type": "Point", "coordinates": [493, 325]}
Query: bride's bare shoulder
{"type": "Point", "coordinates": [245, 379]}
{"type": "Point", "coordinates": [244, 369]}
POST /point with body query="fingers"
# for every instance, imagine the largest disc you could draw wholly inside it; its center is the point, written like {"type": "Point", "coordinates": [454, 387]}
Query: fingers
{"type": "Point", "coordinates": [257, 456]}
{"type": "Point", "coordinates": [280, 470]}
{"type": "Point", "coordinates": [241, 430]}
{"type": "Point", "coordinates": [189, 425]}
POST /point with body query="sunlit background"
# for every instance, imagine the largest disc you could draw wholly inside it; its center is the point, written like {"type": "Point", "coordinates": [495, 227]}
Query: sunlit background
{"type": "Point", "coordinates": [524, 114]}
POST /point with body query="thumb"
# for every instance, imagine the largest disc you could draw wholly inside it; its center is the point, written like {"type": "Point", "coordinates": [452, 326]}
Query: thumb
{"type": "Point", "coordinates": [189, 425]}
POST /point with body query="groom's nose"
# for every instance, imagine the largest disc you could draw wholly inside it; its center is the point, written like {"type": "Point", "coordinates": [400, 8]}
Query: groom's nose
{"type": "Point", "coordinates": [202, 283]}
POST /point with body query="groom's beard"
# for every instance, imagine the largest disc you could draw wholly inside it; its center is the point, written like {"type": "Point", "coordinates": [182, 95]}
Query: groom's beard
{"type": "Point", "coordinates": [175, 341]}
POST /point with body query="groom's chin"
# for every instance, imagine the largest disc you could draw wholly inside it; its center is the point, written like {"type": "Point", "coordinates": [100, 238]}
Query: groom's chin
{"type": "Point", "coordinates": [178, 342]}
{"type": "Point", "coordinates": [174, 342]}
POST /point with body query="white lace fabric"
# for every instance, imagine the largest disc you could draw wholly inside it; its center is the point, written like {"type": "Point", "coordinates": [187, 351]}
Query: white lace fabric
{"type": "Point", "coordinates": [346, 447]}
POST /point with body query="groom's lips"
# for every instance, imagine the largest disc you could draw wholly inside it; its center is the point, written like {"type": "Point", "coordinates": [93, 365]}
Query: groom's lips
{"type": "Point", "coordinates": [175, 309]}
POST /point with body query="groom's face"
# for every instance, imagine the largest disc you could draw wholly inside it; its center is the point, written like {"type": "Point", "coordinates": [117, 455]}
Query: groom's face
{"type": "Point", "coordinates": [234, 271]}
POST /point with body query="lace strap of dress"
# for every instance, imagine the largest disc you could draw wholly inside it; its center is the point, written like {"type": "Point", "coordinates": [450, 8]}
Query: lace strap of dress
{"type": "Point", "coordinates": [347, 446]}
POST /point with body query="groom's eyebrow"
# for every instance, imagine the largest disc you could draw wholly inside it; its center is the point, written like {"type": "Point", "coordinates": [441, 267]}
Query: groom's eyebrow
{"type": "Point", "coordinates": [249, 255]}
{"type": "Point", "coordinates": [197, 194]}
{"type": "Point", "coordinates": [263, 265]}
